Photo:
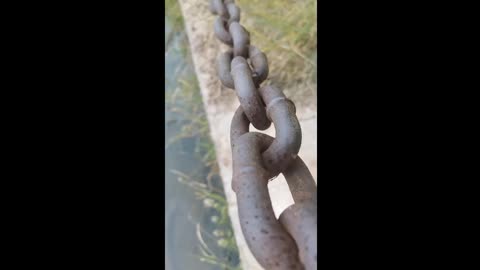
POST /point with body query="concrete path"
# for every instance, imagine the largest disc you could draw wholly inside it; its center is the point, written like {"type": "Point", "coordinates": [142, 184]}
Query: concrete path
{"type": "Point", "coordinates": [220, 104]}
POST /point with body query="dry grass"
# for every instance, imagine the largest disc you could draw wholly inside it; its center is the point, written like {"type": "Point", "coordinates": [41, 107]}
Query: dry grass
{"type": "Point", "coordinates": [286, 31]}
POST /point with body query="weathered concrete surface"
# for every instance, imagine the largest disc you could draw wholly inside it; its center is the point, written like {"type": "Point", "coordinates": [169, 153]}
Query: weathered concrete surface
{"type": "Point", "coordinates": [220, 104]}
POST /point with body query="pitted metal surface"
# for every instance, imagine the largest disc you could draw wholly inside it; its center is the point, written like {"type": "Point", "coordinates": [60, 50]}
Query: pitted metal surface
{"type": "Point", "coordinates": [290, 241]}
{"type": "Point", "coordinates": [269, 241]}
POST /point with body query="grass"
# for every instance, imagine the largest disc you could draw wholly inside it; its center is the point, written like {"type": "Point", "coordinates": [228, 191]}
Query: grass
{"type": "Point", "coordinates": [186, 102]}
{"type": "Point", "coordinates": [183, 99]}
{"type": "Point", "coordinates": [222, 237]}
{"type": "Point", "coordinates": [174, 15]}
{"type": "Point", "coordinates": [286, 31]}
{"type": "Point", "coordinates": [183, 102]}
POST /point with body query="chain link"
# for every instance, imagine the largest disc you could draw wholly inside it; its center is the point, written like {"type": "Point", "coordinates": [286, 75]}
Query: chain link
{"type": "Point", "coordinates": [289, 242]}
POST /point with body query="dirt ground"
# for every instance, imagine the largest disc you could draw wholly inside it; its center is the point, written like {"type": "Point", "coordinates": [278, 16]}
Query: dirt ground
{"type": "Point", "coordinates": [220, 104]}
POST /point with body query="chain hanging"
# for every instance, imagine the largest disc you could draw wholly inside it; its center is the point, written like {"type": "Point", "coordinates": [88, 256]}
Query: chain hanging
{"type": "Point", "coordinates": [289, 242]}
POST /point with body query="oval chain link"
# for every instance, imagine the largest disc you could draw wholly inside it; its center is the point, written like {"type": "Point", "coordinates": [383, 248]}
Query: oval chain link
{"type": "Point", "coordinates": [290, 241]}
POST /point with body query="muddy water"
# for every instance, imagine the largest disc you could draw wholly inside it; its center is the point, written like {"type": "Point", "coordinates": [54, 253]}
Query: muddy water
{"type": "Point", "coordinates": [183, 211]}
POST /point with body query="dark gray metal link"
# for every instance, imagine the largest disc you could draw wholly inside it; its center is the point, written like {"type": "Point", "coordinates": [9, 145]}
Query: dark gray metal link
{"type": "Point", "coordinates": [259, 64]}
{"type": "Point", "coordinates": [247, 94]}
{"type": "Point", "coordinates": [221, 32]}
{"type": "Point", "coordinates": [300, 221]}
{"type": "Point", "coordinates": [300, 182]}
{"type": "Point", "coordinates": [217, 7]}
{"type": "Point", "coordinates": [233, 12]}
{"type": "Point", "coordinates": [290, 241]}
{"type": "Point", "coordinates": [270, 243]}
{"type": "Point", "coordinates": [223, 69]}
{"type": "Point", "coordinates": [288, 134]}
{"type": "Point", "coordinates": [241, 39]}
{"type": "Point", "coordinates": [239, 126]}
{"type": "Point", "coordinates": [258, 61]}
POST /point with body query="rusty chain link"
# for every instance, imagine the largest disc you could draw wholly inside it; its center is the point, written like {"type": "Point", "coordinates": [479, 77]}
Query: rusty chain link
{"type": "Point", "coordinates": [289, 242]}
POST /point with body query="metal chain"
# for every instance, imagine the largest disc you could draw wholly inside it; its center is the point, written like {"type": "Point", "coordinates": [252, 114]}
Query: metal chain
{"type": "Point", "coordinates": [291, 241]}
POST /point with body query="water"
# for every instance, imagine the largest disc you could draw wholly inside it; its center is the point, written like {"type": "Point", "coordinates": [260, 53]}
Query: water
{"type": "Point", "coordinates": [188, 218]}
